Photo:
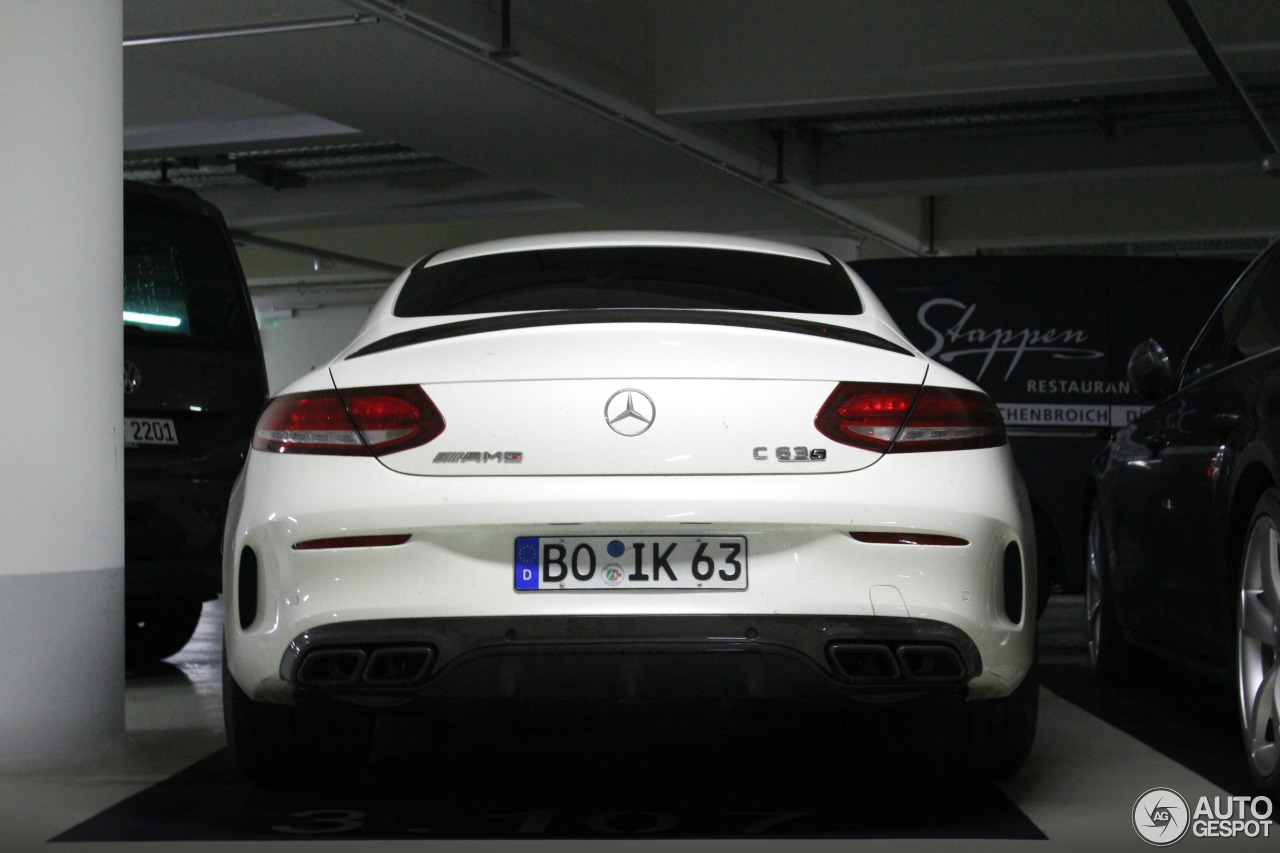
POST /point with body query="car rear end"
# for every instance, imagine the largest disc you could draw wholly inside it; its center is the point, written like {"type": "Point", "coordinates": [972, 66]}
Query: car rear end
{"type": "Point", "coordinates": [630, 501]}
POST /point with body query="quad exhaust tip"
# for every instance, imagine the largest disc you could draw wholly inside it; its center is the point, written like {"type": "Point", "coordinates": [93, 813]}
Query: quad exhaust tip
{"type": "Point", "coordinates": [882, 663]}
{"type": "Point", "coordinates": [398, 666]}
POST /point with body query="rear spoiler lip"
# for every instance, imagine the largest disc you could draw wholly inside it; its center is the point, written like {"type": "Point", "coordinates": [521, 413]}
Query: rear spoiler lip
{"type": "Point", "coordinates": [539, 319]}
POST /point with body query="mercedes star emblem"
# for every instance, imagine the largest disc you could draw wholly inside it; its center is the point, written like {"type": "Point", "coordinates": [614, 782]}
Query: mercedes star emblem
{"type": "Point", "coordinates": [629, 412]}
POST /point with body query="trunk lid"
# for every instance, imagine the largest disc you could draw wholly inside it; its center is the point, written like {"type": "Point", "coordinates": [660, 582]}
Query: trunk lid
{"type": "Point", "coordinates": [630, 399]}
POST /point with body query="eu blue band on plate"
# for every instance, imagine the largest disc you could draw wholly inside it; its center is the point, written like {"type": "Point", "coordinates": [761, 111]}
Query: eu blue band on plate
{"type": "Point", "coordinates": [527, 562]}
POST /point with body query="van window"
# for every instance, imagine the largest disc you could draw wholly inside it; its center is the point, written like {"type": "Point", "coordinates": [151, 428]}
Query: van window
{"type": "Point", "coordinates": [180, 280]}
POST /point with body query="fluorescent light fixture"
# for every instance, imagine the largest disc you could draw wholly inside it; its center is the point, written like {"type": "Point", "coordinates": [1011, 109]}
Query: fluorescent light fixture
{"type": "Point", "coordinates": [152, 319]}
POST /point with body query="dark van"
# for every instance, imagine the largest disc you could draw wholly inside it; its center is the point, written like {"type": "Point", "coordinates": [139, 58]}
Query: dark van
{"type": "Point", "coordinates": [1049, 339]}
{"type": "Point", "coordinates": [194, 383]}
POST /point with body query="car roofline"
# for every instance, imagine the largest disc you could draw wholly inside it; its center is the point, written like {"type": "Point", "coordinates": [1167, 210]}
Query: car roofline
{"type": "Point", "coordinates": [606, 239]}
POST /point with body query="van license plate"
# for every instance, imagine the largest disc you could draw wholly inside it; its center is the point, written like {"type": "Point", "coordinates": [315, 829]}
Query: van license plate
{"type": "Point", "coordinates": [138, 431]}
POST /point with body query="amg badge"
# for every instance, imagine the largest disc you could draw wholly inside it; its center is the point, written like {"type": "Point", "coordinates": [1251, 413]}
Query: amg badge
{"type": "Point", "coordinates": [482, 456]}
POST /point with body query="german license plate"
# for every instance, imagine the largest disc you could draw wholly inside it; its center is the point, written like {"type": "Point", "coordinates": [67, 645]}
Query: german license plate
{"type": "Point", "coordinates": [630, 562]}
{"type": "Point", "coordinates": [138, 431]}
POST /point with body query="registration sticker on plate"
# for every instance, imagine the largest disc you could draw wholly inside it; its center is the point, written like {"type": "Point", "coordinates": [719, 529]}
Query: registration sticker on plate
{"type": "Point", "coordinates": [149, 431]}
{"type": "Point", "coordinates": [631, 562]}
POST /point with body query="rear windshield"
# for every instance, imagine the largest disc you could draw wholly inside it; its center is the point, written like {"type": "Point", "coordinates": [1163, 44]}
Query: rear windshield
{"type": "Point", "coordinates": [181, 284]}
{"type": "Point", "coordinates": [628, 277]}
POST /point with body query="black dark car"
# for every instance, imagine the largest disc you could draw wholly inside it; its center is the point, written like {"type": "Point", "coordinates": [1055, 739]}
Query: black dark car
{"type": "Point", "coordinates": [194, 383]}
{"type": "Point", "coordinates": [1184, 519]}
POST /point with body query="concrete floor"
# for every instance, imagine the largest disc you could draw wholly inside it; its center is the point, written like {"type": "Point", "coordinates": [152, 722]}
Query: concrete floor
{"type": "Point", "coordinates": [704, 782]}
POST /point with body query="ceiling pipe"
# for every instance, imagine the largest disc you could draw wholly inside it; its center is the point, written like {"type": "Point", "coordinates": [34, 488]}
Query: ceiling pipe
{"type": "Point", "coordinates": [729, 160]}
{"type": "Point", "coordinates": [1227, 80]}
{"type": "Point", "coordinates": [312, 252]}
{"type": "Point", "coordinates": [252, 30]}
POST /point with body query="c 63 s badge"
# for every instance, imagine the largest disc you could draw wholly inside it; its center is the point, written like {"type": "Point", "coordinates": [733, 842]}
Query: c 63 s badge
{"type": "Point", "coordinates": [508, 457]}
{"type": "Point", "coordinates": [798, 453]}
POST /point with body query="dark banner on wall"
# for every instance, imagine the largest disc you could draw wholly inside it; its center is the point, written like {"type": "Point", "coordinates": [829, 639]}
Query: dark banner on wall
{"type": "Point", "coordinates": [1049, 339]}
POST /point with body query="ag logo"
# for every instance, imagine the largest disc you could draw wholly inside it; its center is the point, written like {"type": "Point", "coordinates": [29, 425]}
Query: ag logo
{"type": "Point", "coordinates": [1161, 817]}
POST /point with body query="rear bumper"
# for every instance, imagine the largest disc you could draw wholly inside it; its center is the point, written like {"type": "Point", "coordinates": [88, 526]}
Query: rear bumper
{"type": "Point", "coordinates": [683, 656]}
{"type": "Point", "coordinates": [458, 565]}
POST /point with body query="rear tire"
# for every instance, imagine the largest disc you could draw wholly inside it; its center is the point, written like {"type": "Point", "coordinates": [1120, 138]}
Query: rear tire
{"type": "Point", "coordinates": [1257, 638]}
{"type": "Point", "coordinates": [320, 744]}
{"type": "Point", "coordinates": [155, 630]}
{"type": "Point", "coordinates": [1002, 731]}
{"type": "Point", "coordinates": [1109, 654]}
{"type": "Point", "coordinates": [983, 739]}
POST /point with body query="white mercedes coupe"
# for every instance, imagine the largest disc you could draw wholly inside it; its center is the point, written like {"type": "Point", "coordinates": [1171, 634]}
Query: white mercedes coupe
{"type": "Point", "coordinates": [626, 465]}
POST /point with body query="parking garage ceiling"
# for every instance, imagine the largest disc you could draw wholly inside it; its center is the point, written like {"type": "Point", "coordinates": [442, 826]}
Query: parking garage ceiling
{"type": "Point", "coordinates": [387, 128]}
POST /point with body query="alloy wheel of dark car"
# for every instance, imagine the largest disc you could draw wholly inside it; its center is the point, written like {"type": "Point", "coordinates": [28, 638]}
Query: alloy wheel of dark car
{"type": "Point", "coordinates": [1107, 653]}
{"type": "Point", "coordinates": [1258, 633]}
{"type": "Point", "coordinates": [318, 744]}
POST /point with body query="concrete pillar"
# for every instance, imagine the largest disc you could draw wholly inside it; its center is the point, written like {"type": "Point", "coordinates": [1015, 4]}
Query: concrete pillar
{"type": "Point", "coordinates": [61, 351]}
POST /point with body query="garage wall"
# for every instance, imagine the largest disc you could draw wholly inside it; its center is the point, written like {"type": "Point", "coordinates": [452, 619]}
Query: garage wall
{"type": "Point", "coordinates": [294, 345]}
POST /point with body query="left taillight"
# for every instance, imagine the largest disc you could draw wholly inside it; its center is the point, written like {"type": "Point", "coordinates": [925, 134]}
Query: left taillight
{"type": "Point", "coordinates": [892, 418]}
{"type": "Point", "coordinates": [352, 422]}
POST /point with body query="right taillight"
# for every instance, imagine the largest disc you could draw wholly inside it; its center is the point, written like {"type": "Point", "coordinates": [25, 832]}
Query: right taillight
{"type": "Point", "coordinates": [894, 418]}
{"type": "Point", "coordinates": [353, 422]}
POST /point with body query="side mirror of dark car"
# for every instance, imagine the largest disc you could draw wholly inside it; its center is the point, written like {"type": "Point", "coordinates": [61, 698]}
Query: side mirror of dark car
{"type": "Point", "coordinates": [1149, 372]}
